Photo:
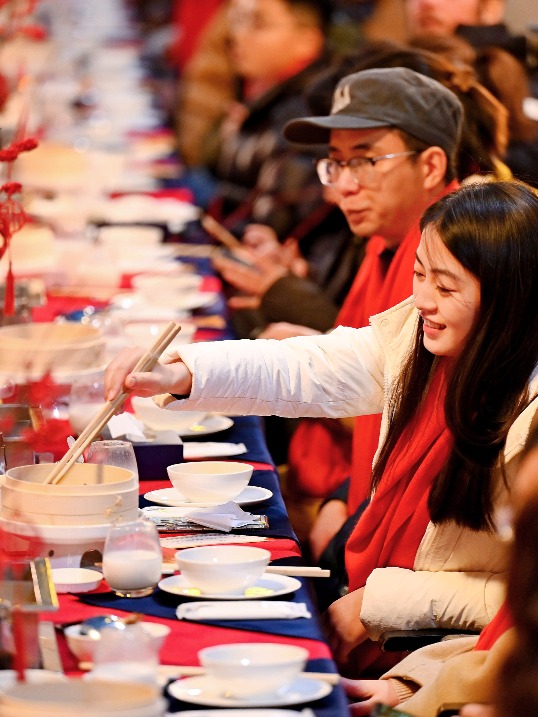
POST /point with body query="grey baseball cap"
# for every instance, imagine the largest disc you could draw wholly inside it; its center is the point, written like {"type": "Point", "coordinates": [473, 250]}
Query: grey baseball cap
{"type": "Point", "coordinates": [387, 97]}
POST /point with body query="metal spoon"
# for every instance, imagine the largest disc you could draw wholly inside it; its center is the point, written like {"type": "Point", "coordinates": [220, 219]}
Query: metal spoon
{"type": "Point", "coordinates": [92, 626]}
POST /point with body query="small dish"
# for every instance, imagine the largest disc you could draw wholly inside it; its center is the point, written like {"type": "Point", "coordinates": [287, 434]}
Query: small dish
{"type": "Point", "coordinates": [170, 497]}
{"type": "Point", "coordinates": [269, 585]}
{"type": "Point", "coordinates": [200, 690]}
{"type": "Point", "coordinates": [75, 580]}
{"type": "Point", "coordinates": [212, 423]}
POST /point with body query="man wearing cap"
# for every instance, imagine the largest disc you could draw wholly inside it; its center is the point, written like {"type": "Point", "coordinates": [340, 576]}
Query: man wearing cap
{"type": "Point", "coordinates": [392, 136]}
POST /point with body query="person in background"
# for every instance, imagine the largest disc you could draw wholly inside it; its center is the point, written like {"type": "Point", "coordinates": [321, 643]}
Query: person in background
{"type": "Point", "coordinates": [275, 46]}
{"type": "Point", "coordinates": [500, 62]}
{"type": "Point", "coordinates": [423, 553]}
{"type": "Point", "coordinates": [278, 281]}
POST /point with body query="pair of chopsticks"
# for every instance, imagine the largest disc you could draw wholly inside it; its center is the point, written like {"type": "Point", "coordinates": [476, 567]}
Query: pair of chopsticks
{"type": "Point", "coordinates": [299, 571]}
{"type": "Point", "coordinates": [146, 363]}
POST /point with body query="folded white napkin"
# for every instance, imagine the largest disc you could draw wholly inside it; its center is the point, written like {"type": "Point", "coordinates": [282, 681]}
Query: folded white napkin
{"type": "Point", "coordinates": [242, 610]}
{"type": "Point", "coordinates": [211, 449]}
{"type": "Point", "coordinates": [221, 517]}
{"type": "Point", "coordinates": [125, 424]}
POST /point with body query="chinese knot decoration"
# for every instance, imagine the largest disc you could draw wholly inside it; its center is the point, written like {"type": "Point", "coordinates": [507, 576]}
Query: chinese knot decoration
{"type": "Point", "coordinates": [12, 215]}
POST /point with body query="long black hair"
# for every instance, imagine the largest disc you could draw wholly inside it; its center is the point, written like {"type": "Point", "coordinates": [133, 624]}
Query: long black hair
{"type": "Point", "coordinates": [492, 230]}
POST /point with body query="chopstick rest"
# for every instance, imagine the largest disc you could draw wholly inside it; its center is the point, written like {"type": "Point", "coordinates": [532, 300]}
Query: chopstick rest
{"type": "Point", "coordinates": [234, 610]}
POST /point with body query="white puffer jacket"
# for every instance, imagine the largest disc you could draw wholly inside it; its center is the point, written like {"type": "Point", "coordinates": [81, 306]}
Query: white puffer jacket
{"type": "Point", "coordinates": [457, 579]}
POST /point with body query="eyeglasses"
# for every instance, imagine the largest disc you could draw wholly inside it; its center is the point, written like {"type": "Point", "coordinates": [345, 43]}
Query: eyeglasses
{"type": "Point", "coordinates": [361, 168]}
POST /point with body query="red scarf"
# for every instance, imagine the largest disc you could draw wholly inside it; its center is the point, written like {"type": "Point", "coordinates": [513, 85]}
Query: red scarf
{"type": "Point", "coordinates": [497, 627]}
{"type": "Point", "coordinates": [320, 451]}
{"type": "Point", "coordinates": [320, 454]}
{"type": "Point", "coordinates": [390, 530]}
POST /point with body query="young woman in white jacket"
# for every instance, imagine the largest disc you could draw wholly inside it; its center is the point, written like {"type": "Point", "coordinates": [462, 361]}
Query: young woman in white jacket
{"type": "Point", "coordinates": [453, 372]}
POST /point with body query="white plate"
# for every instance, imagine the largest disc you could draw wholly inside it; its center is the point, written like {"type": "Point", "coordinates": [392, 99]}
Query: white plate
{"type": "Point", "coordinates": [172, 498]}
{"type": "Point", "coordinates": [192, 300]}
{"type": "Point", "coordinates": [9, 677]}
{"type": "Point", "coordinates": [268, 585]}
{"type": "Point", "coordinates": [200, 690]}
{"type": "Point", "coordinates": [212, 423]}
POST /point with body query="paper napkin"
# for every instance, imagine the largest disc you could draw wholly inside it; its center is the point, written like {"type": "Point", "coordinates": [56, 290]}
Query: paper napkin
{"type": "Point", "coordinates": [125, 424]}
{"type": "Point", "coordinates": [221, 517]}
{"type": "Point", "coordinates": [244, 610]}
{"type": "Point", "coordinates": [210, 449]}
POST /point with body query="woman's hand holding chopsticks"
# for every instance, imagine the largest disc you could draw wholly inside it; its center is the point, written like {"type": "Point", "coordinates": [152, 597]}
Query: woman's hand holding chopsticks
{"type": "Point", "coordinates": [163, 378]}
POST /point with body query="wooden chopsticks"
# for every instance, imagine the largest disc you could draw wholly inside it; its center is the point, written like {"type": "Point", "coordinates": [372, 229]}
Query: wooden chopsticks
{"type": "Point", "coordinates": [220, 233]}
{"type": "Point", "coordinates": [146, 363]}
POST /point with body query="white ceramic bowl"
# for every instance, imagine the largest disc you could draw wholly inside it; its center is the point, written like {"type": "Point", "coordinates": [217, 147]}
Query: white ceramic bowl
{"type": "Point", "coordinates": [210, 481]}
{"type": "Point", "coordinates": [222, 569]}
{"type": "Point", "coordinates": [163, 419]}
{"type": "Point", "coordinates": [84, 646]}
{"type": "Point", "coordinates": [75, 580]}
{"type": "Point", "coordinates": [245, 670]}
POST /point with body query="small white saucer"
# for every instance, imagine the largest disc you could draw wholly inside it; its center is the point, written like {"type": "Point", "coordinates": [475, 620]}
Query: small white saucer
{"type": "Point", "coordinates": [212, 423]}
{"type": "Point", "coordinates": [172, 498]}
{"type": "Point", "coordinates": [75, 580]}
{"type": "Point", "coordinates": [269, 585]}
{"type": "Point", "coordinates": [200, 690]}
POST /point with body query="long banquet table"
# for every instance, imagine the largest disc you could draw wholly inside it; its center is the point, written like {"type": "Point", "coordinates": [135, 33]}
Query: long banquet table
{"type": "Point", "coordinates": [186, 638]}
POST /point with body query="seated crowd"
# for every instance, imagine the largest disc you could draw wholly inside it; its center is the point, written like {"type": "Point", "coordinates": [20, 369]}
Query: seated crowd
{"type": "Point", "coordinates": [389, 225]}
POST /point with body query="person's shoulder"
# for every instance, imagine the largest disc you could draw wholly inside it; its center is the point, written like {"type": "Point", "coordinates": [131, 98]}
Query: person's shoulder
{"type": "Point", "coordinates": [397, 317]}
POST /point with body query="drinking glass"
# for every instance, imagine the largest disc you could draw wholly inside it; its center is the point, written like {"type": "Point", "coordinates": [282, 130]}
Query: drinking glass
{"type": "Point", "coordinates": [132, 558]}
{"type": "Point", "coordinates": [113, 453]}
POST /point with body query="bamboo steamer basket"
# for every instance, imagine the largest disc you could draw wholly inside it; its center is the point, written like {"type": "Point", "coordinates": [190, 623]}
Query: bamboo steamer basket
{"type": "Point", "coordinates": [72, 517]}
{"type": "Point", "coordinates": [41, 347]}
{"type": "Point", "coordinates": [83, 698]}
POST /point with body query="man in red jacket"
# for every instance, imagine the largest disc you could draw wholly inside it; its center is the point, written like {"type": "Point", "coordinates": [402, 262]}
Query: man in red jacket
{"type": "Point", "coordinates": [392, 139]}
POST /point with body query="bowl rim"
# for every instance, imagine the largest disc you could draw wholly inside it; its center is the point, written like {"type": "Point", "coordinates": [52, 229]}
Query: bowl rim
{"type": "Point", "coordinates": [189, 468]}
{"type": "Point", "coordinates": [190, 558]}
{"type": "Point", "coordinates": [301, 653]}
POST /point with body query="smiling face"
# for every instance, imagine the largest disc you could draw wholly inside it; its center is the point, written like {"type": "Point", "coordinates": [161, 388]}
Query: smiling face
{"type": "Point", "coordinates": [446, 295]}
{"type": "Point", "coordinates": [399, 194]}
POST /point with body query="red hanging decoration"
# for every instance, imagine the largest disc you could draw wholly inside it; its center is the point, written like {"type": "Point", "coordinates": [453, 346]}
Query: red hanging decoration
{"type": "Point", "coordinates": [12, 217]}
